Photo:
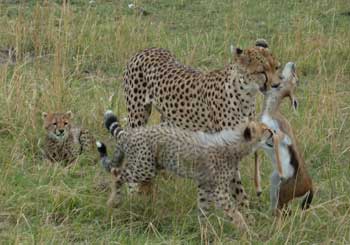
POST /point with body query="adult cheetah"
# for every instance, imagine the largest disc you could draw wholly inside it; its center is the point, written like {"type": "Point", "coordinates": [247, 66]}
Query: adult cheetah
{"type": "Point", "coordinates": [194, 100]}
{"type": "Point", "coordinates": [210, 159]}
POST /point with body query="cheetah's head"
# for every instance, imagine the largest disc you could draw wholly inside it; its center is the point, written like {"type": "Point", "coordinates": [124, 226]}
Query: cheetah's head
{"type": "Point", "coordinates": [57, 124]}
{"type": "Point", "coordinates": [257, 133]}
{"type": "Point", "coordinates": [260, 64]}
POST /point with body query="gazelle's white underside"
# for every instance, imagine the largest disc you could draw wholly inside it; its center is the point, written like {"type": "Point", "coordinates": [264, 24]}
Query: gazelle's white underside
{"type": "Point", "coordinates": [287, 168]}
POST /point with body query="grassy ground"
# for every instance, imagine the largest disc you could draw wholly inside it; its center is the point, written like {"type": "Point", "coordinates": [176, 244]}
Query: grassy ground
{"type": "Point", "coordinates": [71, 57]}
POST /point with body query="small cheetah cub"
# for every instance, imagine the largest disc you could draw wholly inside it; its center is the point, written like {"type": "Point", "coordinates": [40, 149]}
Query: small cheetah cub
{"type": "Point", "coordinates": [295, 181]}
{"type": "Point", "coordinates": [63, 141]}
{"type": "Point", "coordinates": [210, 159]}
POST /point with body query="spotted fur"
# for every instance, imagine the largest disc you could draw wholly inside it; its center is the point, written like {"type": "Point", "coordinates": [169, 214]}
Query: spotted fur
{"type": "Point", "coordinates": [63, 141]}
{"type": "Point", "coordinates": [194, 100]}
{"type": "Point", "coordinates": [212, 160]}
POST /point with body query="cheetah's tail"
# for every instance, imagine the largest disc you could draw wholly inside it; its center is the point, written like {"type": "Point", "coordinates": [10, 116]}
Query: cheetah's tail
{"type": "Point", "coordinates": [112, 124]}
{"type": "Point", "coordinates": [102, 150]}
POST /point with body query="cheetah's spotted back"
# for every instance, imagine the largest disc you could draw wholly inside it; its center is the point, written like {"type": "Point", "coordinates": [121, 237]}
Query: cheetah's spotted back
{"type": "Point", "coordinates": [194, 100]}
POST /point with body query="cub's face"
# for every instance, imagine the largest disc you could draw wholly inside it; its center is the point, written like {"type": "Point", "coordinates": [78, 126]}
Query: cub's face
{"type": "Point", "coordinates": [261, 65]}
{"type": "Point", "coordinates": [257, 133]}
{"type": "Point", "coordinates": [57, 125]}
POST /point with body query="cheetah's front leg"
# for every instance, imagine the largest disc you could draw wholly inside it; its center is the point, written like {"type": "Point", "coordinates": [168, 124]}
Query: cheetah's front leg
{"type": "Point", "coordinates": [237, 191]}
{"type": "Point", "coordinates": [222, 201]}
{"type": "Point", "coordinates": [204, 201]}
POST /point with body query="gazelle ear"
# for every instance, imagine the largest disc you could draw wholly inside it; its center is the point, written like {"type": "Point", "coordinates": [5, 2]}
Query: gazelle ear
{"type": "Point", "coordinates": [69, 114]}
{"type": "Point", "coordinates": [44, 115]}
{"type": "Point", "coordinates": [294, 102]}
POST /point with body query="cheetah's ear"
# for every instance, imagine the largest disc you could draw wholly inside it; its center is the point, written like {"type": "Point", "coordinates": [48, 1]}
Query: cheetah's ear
{"type": "Point", "coordinates": [241, 57]}
{"type": "Point", "coordinates": [247, 134]}
{"type": "Point", "coordinates": [235, 51]}
{"type": "Point", "coordinates": [44, 115]}
{"type": "Point", "coordinates": [238, 51]}
{"type": "Point", "coordinates": [69, 114]}
{"type": "Point", "coordinates": [261, 43]}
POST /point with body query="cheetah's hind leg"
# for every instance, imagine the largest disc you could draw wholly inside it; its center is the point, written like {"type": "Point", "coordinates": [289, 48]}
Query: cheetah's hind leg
{"type": "Point", "coordinates": [117, 182]}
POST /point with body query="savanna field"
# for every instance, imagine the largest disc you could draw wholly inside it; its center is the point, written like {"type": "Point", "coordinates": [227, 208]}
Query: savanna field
{"type": "Point", "coordinates": [58, 56]}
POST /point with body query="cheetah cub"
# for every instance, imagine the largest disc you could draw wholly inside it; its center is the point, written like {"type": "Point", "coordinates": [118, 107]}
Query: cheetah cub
{"type": "Point", "coordinates": [209, 159]}
{"type": "Point", "coordinates": [64, 142]}
{"type": "Point", "coordinates": [295, 181]}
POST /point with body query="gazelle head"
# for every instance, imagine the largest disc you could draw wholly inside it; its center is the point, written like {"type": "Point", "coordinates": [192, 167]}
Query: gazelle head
{"type": "Point", "coordinates": [287, 87]}
{"type": "Point", "coordinates": [290, 83]}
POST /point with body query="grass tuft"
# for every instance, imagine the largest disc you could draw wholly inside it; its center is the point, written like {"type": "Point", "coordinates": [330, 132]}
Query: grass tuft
{"type": "Point", "coordinates": [58, 56]}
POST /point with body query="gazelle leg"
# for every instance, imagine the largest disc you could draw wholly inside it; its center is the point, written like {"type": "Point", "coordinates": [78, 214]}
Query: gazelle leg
{"type": "Point", "coordinates": [276, 146]}
{"type": "Point", "coordinates": [257, 175]}
{"type": "Point", "coordinates": [274, 190]}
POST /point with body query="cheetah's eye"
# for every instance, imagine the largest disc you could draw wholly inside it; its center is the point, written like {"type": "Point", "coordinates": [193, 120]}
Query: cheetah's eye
{"type": "Point", "coordinates": [65, 123]}
{"type": "Point", "coordinates": [55, 124]}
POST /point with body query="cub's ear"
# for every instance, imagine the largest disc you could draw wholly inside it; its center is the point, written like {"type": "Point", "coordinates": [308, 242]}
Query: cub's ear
{"type": "Point", "coordinates": [238, 51]}
{"type": "Point", "coordinates": [44, 115]}
{"type": "Point", "coordinates": [261, 43]}
{"type": "Point", "coordinates": [69, 114]}
{"type": "Point", "coordinates": [247, 134]}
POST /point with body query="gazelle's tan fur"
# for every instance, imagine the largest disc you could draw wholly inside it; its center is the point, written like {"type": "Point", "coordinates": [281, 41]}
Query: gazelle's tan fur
{"type": "Point", "coordinates": [276, 142]}
{"type": "Point", "coordinates": [276, 152]}
{"type": "Point", "coordinates": [290, 178]}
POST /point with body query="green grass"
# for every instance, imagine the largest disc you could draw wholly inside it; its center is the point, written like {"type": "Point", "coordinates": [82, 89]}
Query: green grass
{"type": "Point", "coordinates": [71, 57]}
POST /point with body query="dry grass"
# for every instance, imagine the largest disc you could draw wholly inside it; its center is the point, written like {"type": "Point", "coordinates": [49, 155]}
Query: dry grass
{"type": "Point", "coordinates": [71, 57]}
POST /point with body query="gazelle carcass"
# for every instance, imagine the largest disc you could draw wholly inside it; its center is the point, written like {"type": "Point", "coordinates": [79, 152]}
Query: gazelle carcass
{"type": "Point", "coordinates": [291, 179]}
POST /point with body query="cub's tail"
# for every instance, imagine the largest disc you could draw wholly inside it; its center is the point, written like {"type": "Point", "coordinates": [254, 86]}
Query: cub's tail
{"type": "Point", "coordinates": [102, 150]}
{"type": "Point", "coordinates": [307, 200]}
{"type": "Point", "coordinates": [112, 124]}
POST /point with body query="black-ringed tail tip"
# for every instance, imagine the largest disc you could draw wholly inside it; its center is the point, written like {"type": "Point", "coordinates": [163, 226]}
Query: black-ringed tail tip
{"type": "Point", "coordinates": [101, 148]}
{"type": "Point", "coordinates": [111, 123]}
{"type": "Point", "coordinates": [108, 112]}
